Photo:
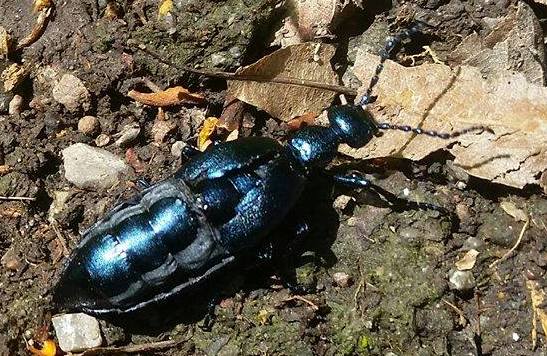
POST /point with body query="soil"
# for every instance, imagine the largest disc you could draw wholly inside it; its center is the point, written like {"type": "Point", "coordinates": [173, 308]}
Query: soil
{"type": "Point", "coordinates": [396, 300]}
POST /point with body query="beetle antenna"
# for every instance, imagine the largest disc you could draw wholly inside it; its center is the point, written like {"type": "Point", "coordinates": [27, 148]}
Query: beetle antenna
{"type": "Point", "coordinates": [385, 53]}
{"type": "Point", "coordinates": [442, 135]}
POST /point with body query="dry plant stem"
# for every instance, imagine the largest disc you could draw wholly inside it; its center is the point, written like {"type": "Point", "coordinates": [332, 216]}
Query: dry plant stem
{"type": "Point", "coordinates": [307, 301]}
{"type": "Point", "coordinates": [149, 347]}
{"type": "Point", "coordinates": [508, 253]}
{"type": "Point", "coordinates": [17, 198]}
{"type": "Point", "coordinates": [38, 29]}
{"type": "Point", "coordinates": [463, 319]}
{"type": "Point", "coordinates": [254, 78]}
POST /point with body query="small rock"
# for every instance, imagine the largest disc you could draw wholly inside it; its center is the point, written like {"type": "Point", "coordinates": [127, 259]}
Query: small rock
{"type": "Point", "coordinates": [11, 260]}
{"type": "Point", "coordinates": [176, 148]}
{"type": "Point", "coordinates": [342, 279]}
{"type": "Point", "coordinates": [102, 140]}
{"type": "Point", "coordinates": [516, 337]}
{"type": "Point", "coordinates": [77, 332]}
{"type": "Point", "coordinates": [128, 134]}
{"type": "Point", "coordinates": [88, 125]}
{"type": "Point", "coordinates": [15, 105]}
{"type": "Point", "coordinates": [60, 197]}
{"type": "Point", "coordinates": [473, 243]}
{"type": "Point", "coordinates": [161, 129]}
{"type": "Point", "coordinates": [72, 93]}
{"type": "Point", "coordinates": [92, 168]}
{"type": "Point", "coordinates": [462, 211]}
{"type": "Point", "coordinates": [218, 59]}
{"type": "Point", "coordinates": [462, 281]}
{"type": "Point", "coordinates": [341, 202]}
{"type": "Point", "coordinates": [5, 100]}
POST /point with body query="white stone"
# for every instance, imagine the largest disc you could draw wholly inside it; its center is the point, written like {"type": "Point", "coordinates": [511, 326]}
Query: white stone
{"type": "Point", "coordinates": [77, 332]}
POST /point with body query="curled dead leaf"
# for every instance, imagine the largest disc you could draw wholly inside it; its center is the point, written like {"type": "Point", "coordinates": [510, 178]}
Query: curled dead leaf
{"type": "Point", "coordinates": [467, 262]}
{"type": "Point", "coordinates": [209, 126]}
{"type": "Point", "coordinates": [172, 96]}
{"type": "Point", "coordinates": [435, 97]}
{"type": "Point", "coordinates": [286, 101]}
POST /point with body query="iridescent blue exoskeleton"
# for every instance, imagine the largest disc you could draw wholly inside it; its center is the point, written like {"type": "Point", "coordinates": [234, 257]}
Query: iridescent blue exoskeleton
{"type": "Point", "coordinates": [221, 206]}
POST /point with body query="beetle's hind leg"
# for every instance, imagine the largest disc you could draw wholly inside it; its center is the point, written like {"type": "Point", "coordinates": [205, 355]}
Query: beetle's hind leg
{"type": "Point", "coordinates": [283, 256]}
{"type": "Point", "coordinates": [358, 180]}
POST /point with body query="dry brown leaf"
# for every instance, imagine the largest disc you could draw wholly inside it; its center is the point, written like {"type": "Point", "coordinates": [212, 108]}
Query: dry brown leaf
{"type": "Point", "coordinates": [434, 96]}
{"type": "Point", "coordinates": [209, 126]}
{"type": "Point", "coordinates": [172, 96]}
{"type": "Point", "coordinates": [467, 261]}
{"type": "Point", "coordinates": [539, 298]}
{"type": "Point", "coordinates": [511, 209]}
{"type": "Point", "coordinates": [232, 113]}
{"type": "Point", "coordinates": [515, 43]}
{"type": "Point", "coordinates": [306, 119]}
{"type": "Point", "coordinates": [286, 101]}
{"type": "Point", "coordinates": [315, 18]}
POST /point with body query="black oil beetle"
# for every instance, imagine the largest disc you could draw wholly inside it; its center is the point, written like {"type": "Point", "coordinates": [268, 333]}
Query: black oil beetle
{"type": "Point", "coordinates": [219, 208]}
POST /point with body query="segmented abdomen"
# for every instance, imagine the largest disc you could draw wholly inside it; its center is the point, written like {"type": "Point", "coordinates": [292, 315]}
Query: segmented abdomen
{"type": "Point", "coordinates": [140, 250]}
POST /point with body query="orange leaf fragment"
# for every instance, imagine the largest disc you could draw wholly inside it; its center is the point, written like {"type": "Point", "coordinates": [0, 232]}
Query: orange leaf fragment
{"type": "Point", "coordinates": [297, 122]}
{"type": "Point", "coordinates": [172, 96]}
{"type": "Point", "coordinates": [209, 126]}
{"type": "Point", "coordinates": [44, 348]}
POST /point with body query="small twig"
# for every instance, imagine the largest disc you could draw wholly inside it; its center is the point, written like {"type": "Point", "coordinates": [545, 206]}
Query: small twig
{"type": "Point", "coordinates": [463, 319]}
{"type": "Point", "coordinates": [360, 285]}
{"type": "Point", "coordinates": [255, 78]}
{"type": "Point", "coordinates": [131, 349]}
{"type": "Point", "coordinates": [17, 198]}
{"type": "Point", "coordinates": [301, 298]}
{"type": "Point", "coordinates": [508, 253]}
{"type": "Point", "coordinates": [60, 238]}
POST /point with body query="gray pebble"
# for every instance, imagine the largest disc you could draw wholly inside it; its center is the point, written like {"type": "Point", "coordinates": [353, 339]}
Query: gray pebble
{"type": "Point", "coordinates": [473, 243]}
{"type": "Point", "coordinates": [77, 332]}
{"type": "Point", "coordinates": [176, 148]}
{"type": "Point", "coordinates": [462, 281]}
{"type": "Point", "coordinates": [92, 168]}
{"type": "Point", "coordinates": [15, 105]}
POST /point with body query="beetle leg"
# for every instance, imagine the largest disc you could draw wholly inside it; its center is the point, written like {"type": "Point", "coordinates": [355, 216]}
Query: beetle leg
{"type": "Point", "coordinates": [189, 151]}
{"type": "Point", "coordinates": [358, 180]}
{"type": "Point", "coordinates": [210, 316]}
{"type": "Point", "coordinates": [284, 259]}
{"type": "Point", "coordinates": [143, 183]}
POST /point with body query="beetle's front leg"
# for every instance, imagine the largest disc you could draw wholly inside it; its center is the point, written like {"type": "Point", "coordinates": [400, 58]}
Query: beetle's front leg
{"type": "Point", "coordinates": [358, 180]}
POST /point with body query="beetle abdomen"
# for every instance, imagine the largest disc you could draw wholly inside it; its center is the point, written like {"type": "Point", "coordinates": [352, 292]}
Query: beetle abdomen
{"type": "Point", "coordinates": [139, 251]}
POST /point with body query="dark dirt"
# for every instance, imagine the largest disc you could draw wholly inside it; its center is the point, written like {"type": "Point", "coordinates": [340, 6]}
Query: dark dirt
{"type": "Point", "coordinates": [399, 301]}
